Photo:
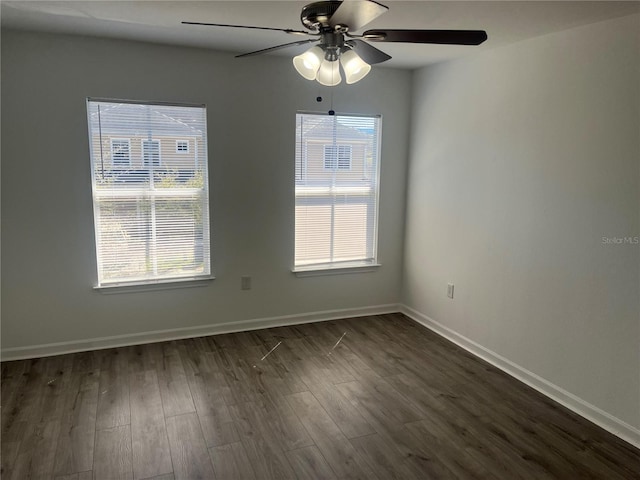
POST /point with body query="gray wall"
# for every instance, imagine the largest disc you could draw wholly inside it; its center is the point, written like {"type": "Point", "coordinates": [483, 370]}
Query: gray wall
{"type": "Point", "coordinates": [48, 249]}
{"type": "Point", "coordinates": [522, 159]}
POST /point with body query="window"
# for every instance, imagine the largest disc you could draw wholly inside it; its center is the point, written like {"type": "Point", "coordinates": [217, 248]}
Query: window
{"type": "Point", "coordinates": [151, 221]}
{"type": "Point", "coordinates": [336, 188]}
{"type": "Point", "coordinates": [151, 153]}
{"type": "Point", "coordinates": [337, 157]}
{"type": "Point", "coordinates": [120, 152]}
{"type": "Point", "coordinates": [182, 146]}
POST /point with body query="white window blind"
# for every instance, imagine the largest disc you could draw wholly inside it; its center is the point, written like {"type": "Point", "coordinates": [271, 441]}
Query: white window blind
{"type": "Point", "coordinates": [152, 217]}
{"type": "Point", "coordinates": [337, 177]}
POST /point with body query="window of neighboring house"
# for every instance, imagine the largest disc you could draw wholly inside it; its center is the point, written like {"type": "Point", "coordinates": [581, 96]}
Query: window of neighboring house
{"type": "Point", "coordinates": [182, 146]}
{"type": "Point", "coordinates": [337, 157]}
{"type": "Point", "coordinates": [151, 225]}
{"type": "Point", "coordinates": [120, 152]}
{"type": "Point", "coordinates": [151, 153]}
{"type": "Point", "coordinates": [336, 191]}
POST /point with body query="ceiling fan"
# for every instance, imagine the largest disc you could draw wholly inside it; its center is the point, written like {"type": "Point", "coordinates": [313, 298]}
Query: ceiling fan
{"type": "Point", "coordinates": [331, 23]}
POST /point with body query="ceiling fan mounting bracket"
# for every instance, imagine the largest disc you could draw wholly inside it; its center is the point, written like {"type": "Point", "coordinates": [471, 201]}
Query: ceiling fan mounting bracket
{"type": "Point", "coordinates": [332, 40]}
{"type": "Point", "coordinates": [316, 15]}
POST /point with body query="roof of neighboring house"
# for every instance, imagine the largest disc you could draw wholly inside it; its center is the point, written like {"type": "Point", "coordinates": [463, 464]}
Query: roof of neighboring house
{"type": "Point", "coordinates": [134, 120]}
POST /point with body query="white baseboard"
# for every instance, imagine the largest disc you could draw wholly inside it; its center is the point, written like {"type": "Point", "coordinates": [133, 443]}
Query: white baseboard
{"type": "Point", "coordinates": [49, 349]}
{"type": "Point", "coordinates": [572, 402]}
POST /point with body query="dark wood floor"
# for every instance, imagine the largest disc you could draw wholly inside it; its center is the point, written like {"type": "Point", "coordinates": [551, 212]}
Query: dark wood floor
{"type": "Point", "coordinates": [371, 398]}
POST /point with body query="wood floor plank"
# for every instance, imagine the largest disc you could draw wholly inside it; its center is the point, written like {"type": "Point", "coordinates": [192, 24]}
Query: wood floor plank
{"type": "Point", "coordinates": [78, 425]}
{"type": "Point", "coordinates": [459, 426]}
{"type": "Point", "coordinates": [150, 445]}
{"type": "Point", "coordinates": [113, 397]}
{"type": "Point", "coordinates": [145, 357]}
{"type": "Point", "coordinates": [334, 446]}
{"type": "Point", "coordinates": [113, 459]}
{"type": "Point", "coordinates": [14, 379]}
{"type": "Point", "coordinates": [284, 370]}
{"type": "Point", "coordinates": [237, 373]}
{"type": "Point", "coordinates": [216, 433]}
{"type": "Point", "coordinates": [58, 374]}
{"type": "Point", "coordinates": [16, 419]}
{"type": "Point", "coordinates": [174, 388]}
{"type": "Point", "coordinates": [189, 453]}
{"type": "Point", "coordinates": [28, 401]}
{"type": "Point", "coordinates": [461, 452]}
{"type": "Point", "coordinates": [77, 476]}
{"type": "Point", "coordinates": [308, 463]}
{"type": "Point", "coordinates": [265, 374]}
{"type": "Point", "coordinates": [389, 397]}
{"type": "Point", "coordinates": [37, 452]}
{"type": "Point", "coordinates": [347, 417]}
{"type": "Point", "coordinates": [210, 394]}
{"type": "Point", "coordinates": [207, 397]}
{"type": "Point", "coordinates": [374, 355]}
{"type": "Point", "coordinates": [423, 458]}
{"type": "Point", "coordinates": [206, 364]}
{"type": "Point", "coordinates": [86, 362]}
{"type": "Point", "coordinates": [9, 448]}
{"type": "Point", "coordinates": [264, 452]}
{"type": "Point", "coordinates": [383, 457]}
{"type": "Point", "coordinates": [278, 418]}
{"type": "Point", "coordinates": [230, 462]}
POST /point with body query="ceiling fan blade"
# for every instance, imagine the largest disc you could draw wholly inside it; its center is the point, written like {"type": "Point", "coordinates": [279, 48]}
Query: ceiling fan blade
{"type": "Point", "coordinates": [444, 37]}
{"type": "Point", "coordinates": [355, 14]}
{"type": "Point", "coordinates": [277, 47]}
{"type": "Point", "coordinates": [285, 30]}
{"type": "Point", "coordinates": [368, 53]}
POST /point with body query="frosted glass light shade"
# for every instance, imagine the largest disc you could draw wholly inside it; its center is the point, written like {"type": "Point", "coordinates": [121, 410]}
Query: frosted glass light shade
{"type": "Point", "coordinates": [308, 63]}
{"type": "Point", "coordinates": [355, 69]}
{"type": "Point", "coordinates": [329, 73]}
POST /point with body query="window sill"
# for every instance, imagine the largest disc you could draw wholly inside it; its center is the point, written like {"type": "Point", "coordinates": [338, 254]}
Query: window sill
{"type": "Point", "coordinates": [151, 286]}
{"type": "Point", "coordinates": [316, 270]}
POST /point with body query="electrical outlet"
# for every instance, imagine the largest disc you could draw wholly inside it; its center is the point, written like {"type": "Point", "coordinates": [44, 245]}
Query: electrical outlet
{"type": "Point", "coordinates": [245, 283]}
{"type": "Point", "coordinates": [450, 290]}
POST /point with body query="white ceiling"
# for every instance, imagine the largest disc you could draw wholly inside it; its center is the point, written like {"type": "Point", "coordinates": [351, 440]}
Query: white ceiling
{"type": "Point", "coordinates": [159, 22]}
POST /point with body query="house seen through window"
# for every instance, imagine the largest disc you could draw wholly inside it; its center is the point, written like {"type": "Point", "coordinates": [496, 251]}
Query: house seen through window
{"type": "Point", "coordinates": [151, 202]}
{"type": "Point", "coordinates": [336, 190]}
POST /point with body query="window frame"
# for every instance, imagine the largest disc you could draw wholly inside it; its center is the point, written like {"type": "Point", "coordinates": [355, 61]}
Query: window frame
{"type": "Point", "coordinates": [158, 282]}
{"type": "Point", "coordinates": [338, 267]}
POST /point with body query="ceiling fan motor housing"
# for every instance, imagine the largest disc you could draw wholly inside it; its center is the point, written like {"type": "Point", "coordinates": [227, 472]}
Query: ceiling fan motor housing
{"type": "Point", "coordinates": [315, 16]}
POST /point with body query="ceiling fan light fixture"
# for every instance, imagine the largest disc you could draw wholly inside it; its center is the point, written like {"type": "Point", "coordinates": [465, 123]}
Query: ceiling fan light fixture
{"type": "Point", "coordinates": [355, 69]}
{"type": "Point", "coordinates": [329, 73]}
{"type": "Point", "coordinates": [308, 63]}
